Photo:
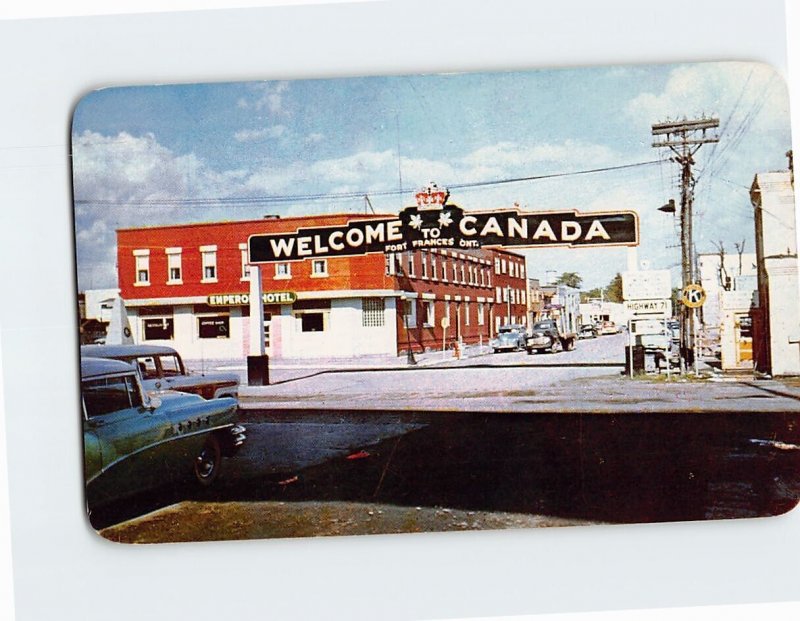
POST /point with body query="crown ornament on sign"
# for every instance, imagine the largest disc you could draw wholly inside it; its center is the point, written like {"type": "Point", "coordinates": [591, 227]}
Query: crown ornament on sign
{"type": "Point", "coordinates": [432, 197]}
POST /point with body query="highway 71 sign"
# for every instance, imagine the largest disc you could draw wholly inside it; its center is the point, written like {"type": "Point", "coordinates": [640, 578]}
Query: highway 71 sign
{"type": "Point", "coordinates": [649, 308]}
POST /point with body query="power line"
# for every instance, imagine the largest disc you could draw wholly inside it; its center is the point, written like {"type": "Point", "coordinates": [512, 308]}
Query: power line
{"type": "Point", "coordinates": [287, 198]}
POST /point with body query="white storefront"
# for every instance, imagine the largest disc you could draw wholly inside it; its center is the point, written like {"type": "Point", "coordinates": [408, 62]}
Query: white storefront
{"type": "Point", "coordinates": [338, 325]}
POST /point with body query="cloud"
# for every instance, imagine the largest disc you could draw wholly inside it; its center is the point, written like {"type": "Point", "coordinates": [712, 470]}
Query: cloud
{"type": "Point", "coordinates": [735, 92]}
{"type": "Point", "coordinates": [254, 135]}
{"type": "Point", "coordinates": [266, 96]}
{"type": "Point", "coordinates": [314, 138]}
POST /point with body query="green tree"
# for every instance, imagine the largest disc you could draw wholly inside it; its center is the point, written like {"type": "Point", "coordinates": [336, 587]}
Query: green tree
{"type": "Point", "coordinates": [570, 279]}
{"type": "Point", "coordinates": [614, 289]}
{"type": "Point", "coordinates": [591, 294]}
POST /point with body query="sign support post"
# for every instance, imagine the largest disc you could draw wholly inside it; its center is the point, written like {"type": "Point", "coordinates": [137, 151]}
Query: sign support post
{"type": "Point", "coordinates": [257, 360]}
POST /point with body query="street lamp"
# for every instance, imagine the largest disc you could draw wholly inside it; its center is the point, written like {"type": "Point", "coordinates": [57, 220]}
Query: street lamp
{"type": "Point", "coordinates": [669, 207]}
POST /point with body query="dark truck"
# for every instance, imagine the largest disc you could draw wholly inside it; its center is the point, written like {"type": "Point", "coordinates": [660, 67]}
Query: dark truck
{"type": "Point", "coordinates": [546, 335]}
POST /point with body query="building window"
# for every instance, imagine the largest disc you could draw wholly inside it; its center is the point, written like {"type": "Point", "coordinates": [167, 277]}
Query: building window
{"type": "Point", "coordinates": [496, 265]}
{"type": "Point", "coordinates": [466, 313]}
{"type": "Point", "coordinates": [372, 315]}
{"type": "Point", "coordinates": [444, 269]}
{"type": "Point", "coordinates": [312, 322]}
{"type": "Point", "coordinates": [158, 328]}
{"type": "Point", "coordinates": [142, 258]}
{"type": "Point", "coordinates": [319, 268]}
{"type": "Point", "coordinates": [424, 260]}
{"type": "Point", "coordinates": [481, 313]}
{"type": "Point", "coordinates": [433, 266]}
{"type": "Point", "coordinates": [455, 271]}
{"type": "Point", "coordinates": [245, 265]}
{"type": "Point", "coordinates": [214, 327]}
{"type": "Point", "coordinates": [522, 270]}
{"type": "Point", "coordinates": [174, 273]}
{"type": "Point", "coordinates": [389, 263]}
{"type": "Point", "coordinates": [410, 313]}
{"type": "Point", "coordinates": [502, 266]}
{"type": "Point", "coordinates": [483, 277]}
{"type": "Point", "coordinates": [498, 294]}
{"type": "Point", "coordinates": [411, 264]}
{"type": "Point", "coordinates": [283, 271]}
{"type": "Point", "coordinates": [430, 313]}
{"type": "Point", "coordinates": [312, 315]}
{"type": "Point", "coordinates": [209, 259]}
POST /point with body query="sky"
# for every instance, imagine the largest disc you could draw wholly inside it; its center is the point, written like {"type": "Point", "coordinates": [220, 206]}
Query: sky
{"type": "Point", "coordinates": [167, 154]}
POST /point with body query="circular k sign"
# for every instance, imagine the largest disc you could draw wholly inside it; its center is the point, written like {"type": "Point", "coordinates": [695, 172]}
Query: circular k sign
{"type": "Point", "coordinates": [693, 296]}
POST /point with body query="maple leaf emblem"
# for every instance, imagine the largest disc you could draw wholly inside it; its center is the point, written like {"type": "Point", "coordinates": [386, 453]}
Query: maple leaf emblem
{"type": "Point", "coordinates": [416, 221]}
{"type": "Point", "coordinates": [445, 219]}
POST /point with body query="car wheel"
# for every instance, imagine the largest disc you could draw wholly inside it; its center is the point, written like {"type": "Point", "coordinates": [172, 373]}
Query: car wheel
{"type": "Point", "coordinates": [571, 345]}
{"type": "Point", "coordinates": [556, 346]}
{"type": "Point", "coordinates": [208, 461]}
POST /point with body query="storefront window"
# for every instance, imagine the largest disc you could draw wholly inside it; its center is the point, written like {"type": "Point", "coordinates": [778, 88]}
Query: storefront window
{"type": "Point", "coordinates": [213, 327]}
{"type": "Point", "coordinates": [312, 322]}
{"type": "Point", "coordinates": [158, 329]}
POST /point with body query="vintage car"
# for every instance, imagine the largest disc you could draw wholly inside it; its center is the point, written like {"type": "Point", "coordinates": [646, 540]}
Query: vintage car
{"type": "Point", "coordinates": [161, 368]}
{"type": "Point", "coordinates": [609, 327]}
{"type": "Point", "coordinates": [587, 331]}
{"type": "Point", "coordinates": [510, 337]}
{"type": "Point", "coordinates": [133, 442]}
{"type": "Point", "coordinates": [546, 336]}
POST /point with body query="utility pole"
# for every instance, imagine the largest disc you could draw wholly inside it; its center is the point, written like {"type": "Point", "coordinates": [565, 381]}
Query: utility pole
{"type": "Point", "coordinates": [684, 139]}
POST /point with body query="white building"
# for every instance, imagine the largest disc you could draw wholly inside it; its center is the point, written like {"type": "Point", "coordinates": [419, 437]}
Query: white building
{"type": "Point", "coordinates": [777, 329]}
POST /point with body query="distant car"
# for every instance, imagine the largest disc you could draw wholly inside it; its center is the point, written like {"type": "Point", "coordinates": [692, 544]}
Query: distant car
{"type": "Point", "coordinates": [161, 368]}
{"type": "Point", "coordinates": [609, 327]}
{"type": "Point", "coordinates": [133, 442]}
{"type": "Point", "coordinates": [510, 337]}
{"type": "Point", "coordinates": [587, 331]}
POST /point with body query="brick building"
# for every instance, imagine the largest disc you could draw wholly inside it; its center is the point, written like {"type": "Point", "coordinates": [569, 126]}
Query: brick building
{"type": "Point", "coordinates": [188, 286]}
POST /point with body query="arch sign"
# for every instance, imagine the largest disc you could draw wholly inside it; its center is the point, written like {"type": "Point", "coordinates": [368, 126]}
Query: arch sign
{"type": "Point", "coordinates": [693, 296]}
{"type": "Point", "coordinates": [435, 223]}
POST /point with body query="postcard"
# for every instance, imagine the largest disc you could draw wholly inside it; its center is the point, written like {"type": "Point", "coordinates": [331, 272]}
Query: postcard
{"type": "Point", "coordinates": [438, 302]}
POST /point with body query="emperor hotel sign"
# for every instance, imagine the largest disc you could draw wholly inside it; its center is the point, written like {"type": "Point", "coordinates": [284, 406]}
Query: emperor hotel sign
{"type": "Point", "coordinates": [434, 223]}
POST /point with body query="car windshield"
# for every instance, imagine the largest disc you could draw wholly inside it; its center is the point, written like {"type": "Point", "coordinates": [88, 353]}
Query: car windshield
{"type": "Point", "coordinates": [110, 394]}
{"type": "Point", "coordinates": [147, 367]}
{"type": "Point", "coordinates": [170, 365]}
{"type": "Point", "coordinates": [543, 325]}
{"type": "Point", "coordinates": [505, 329]}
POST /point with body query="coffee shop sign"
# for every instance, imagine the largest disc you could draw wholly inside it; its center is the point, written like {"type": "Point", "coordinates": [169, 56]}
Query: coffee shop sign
{"type": "Point", "coordinates": [435, 223]}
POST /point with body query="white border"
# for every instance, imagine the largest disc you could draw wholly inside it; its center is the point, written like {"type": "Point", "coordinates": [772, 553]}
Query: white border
{"type": "Point", "coordinates": [63, 570]}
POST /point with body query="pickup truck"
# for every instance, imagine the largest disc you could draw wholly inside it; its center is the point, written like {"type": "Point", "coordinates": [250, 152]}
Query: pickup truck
{"type": "Point", "coordinates": [545, 336]}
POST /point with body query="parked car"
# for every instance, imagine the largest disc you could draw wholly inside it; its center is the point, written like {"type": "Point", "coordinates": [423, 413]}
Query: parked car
{"type": "Point", "coordinates": [609, 327]}
{"type": "Point", "coordinates": [161, 368]}
{"type": "Point", "coordinates": [133, 441]}
{"type": "Point", "coordinates": [510, 337]}
{"type": "Point", "coordinates": [587, 331]}
{"type": "Point", "coordinates": [546, 336]}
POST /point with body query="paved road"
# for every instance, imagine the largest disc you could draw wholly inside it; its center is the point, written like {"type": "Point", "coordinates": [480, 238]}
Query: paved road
{"type": "Point", "coordinates": [606, 468]}
{"type": "Point", "coordinates": [601, 350]}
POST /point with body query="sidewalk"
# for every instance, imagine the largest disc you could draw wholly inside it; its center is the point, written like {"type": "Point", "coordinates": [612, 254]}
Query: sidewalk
{"type": "Point", "coordinates": [519, 389]}
{"type": "Point", "coordinates": [365, 363]}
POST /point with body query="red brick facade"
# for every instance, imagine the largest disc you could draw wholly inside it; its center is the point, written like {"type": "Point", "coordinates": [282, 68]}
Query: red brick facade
{"type": "Point", "coordinates": [476, 289]}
